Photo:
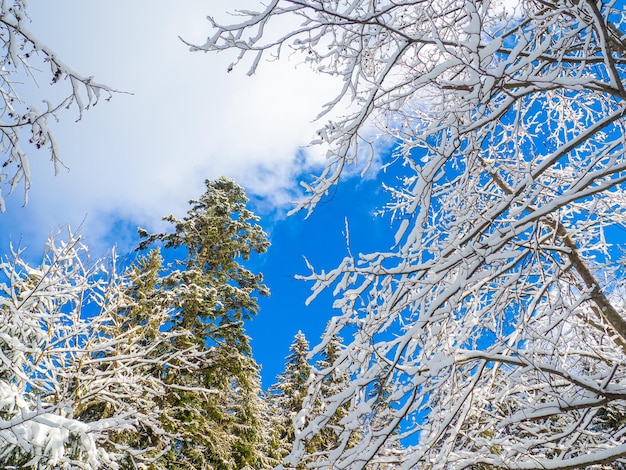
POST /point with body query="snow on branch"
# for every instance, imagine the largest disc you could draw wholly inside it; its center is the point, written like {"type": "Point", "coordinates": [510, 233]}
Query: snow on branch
{"type": "Point", "coordinates": [510, 126]}
{"type": "Point", "coordinates": [78, 371]}
{"type": "Point", "coordinates": [24, 122]}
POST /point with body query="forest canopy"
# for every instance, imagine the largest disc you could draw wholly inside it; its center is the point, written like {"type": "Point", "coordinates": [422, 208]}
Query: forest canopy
{"type": "Point", "coordinates": [489, 332]}
{"type": "Point", "coordinates": [494, 322]}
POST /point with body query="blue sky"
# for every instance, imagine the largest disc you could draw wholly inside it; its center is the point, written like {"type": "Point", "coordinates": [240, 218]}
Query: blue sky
{"type": "Point", "coordinates": [142, 156]}
{"type": "Point", "coordinates": [321, 239]}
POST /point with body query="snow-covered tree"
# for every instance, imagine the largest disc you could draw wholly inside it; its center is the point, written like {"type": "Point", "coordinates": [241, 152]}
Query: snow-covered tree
{"type": "Point", "coordinates": [140, 329]}
{"type": "Point", "coordinates": [492, 318]}
{"type": "Point", "coordinates": [291, 393]}
{"type": "Point", "coordinates": [25, 106]}
{"type": "Point", "coordinates": [73, 379]}
{"type": "Point", "coordinates": [287, 394]}
{"type": "Point", "coordinates": [334, 368]}
{"type": "Point", "coordinates": [215, 408]}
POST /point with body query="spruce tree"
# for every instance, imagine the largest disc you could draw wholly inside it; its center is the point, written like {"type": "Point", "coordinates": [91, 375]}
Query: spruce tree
{"type": "Point", "coordinates": [334, 368]}
{"type": "Point", "coordinates": [214, 407]}
{"type": "Point", "coordinates": [336, 378]}
{"type": "Point", "coordinates": [292, 392]}
{"type": "Point", "coordinates": [287, 393]}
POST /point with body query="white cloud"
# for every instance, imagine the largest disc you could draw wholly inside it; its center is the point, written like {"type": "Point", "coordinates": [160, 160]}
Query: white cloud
{"type": "Point", "coordinates": [145, 155]}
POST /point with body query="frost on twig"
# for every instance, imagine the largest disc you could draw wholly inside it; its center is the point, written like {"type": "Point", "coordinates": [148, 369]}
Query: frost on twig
{"type": "Point", "coordinates": [490, 333]}
{"type": "Point", "coordinates": [24, 121]}
{"type": "Point", "coordinates": [80, 379]}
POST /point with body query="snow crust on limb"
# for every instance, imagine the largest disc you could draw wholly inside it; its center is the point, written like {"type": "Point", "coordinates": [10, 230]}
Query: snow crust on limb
{"type": "Point", "coordinates": [75, 381]}
{"type": "Point", "coordinates": [495, 299]}
{"type": "Point", "coordinates": [24, 121]}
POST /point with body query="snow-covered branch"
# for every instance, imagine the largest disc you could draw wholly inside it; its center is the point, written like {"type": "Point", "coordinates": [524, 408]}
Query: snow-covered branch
{"type": "Point", "coordinates": [24, 120]}
{"type": "Point", "coordinates": [510, 126]}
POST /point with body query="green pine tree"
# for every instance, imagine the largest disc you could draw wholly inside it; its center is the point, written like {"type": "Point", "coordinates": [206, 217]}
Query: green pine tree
{"type": "Point", "coordinates": [332, 384]}
{"type": "Point", "coordinates": [138, 327]}
{"type": "Point", "coordinates": [213, 404]}
{"type": "Point", "coordinates": [287, 394]}
{"type": "Point", "coordinates": [292, 388]}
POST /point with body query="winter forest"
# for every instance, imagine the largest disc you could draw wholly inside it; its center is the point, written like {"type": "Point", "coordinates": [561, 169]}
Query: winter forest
{"type": "Point", "coordinates": [490, 332]}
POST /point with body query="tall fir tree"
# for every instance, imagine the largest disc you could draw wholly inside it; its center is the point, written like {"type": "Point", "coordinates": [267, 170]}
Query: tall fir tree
{"type": "Point", "coordinates": [292, 392]}
{"type": "Point", "coordinates": [336, 378]}
{"type": "Point", "coordinates": [150, 368]}
{"type": "Point", "coordinates": [214, 407]}
{"type": "Point", "coordinates": [286, 395]}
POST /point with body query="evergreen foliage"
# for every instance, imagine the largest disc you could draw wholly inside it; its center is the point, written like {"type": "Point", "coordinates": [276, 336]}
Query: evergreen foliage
{"type": "Point", "coordinates": [214, 407]}
{"type": "Point", "coordinates": [293, 400]}
{"type": "Point", "coordinates": [287, 394]}
{"type": "Point", "coordinates": [149, 368]}
{"type": "Point", "coordinates": [75, 384]}
{"type": "Point", "coordinates": [334, 369]}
